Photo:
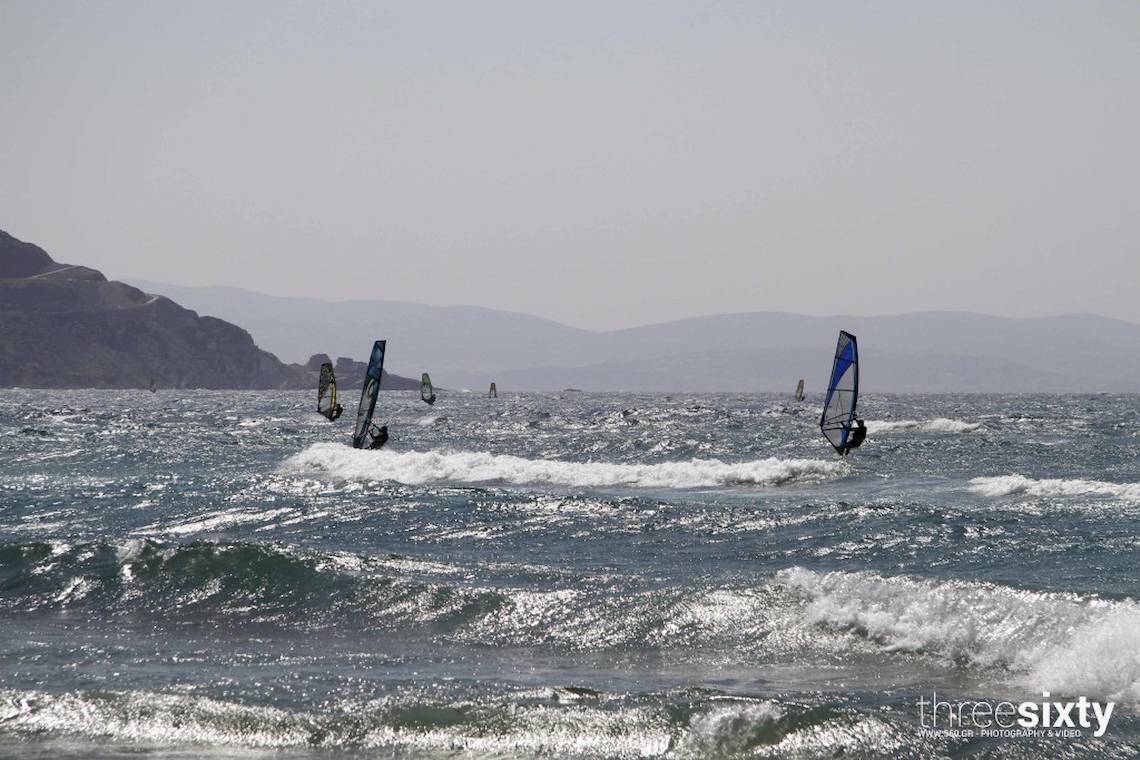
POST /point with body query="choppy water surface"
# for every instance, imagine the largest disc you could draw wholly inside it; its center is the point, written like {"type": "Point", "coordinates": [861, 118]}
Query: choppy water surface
{"type": "Point", "coordinates": [189, 573]}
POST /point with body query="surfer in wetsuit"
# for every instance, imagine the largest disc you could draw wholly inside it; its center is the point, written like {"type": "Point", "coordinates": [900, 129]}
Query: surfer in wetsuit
{"type": "Point", "coordinates": [336, 413]}
{"type": "Point", "coordinates": [858, 433]}
{"type": "Point", "coordinates": [379, 436]}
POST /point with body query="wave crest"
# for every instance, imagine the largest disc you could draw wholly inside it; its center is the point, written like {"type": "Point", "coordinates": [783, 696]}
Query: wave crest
{"type": "Point", "coordinates": [420, 468]}
{"type": "Point", "coordinates": [1010, 485]}
{"type": "Point", "coordinates": [546, 722]}
{"type": "Point", "coordinates": [937, 425]}
{"type": "Point", "coordinates": [240, 584]}
{"type": "Point", "coordinates": [1054, 641]}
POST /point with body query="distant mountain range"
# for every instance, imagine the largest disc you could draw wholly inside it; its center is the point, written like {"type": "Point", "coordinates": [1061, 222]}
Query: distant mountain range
{"type": "Point", "coordinates": [68, 326]}
{"type": "Point", "coordinates": [468, 346]}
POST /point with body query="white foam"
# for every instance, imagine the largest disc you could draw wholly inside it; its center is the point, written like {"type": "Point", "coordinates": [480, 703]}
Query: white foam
{"type": "Point", "coordinates": [728, 729]}
{"type": "Point", "coordinates": [1052, 641]}
{"type": "Point", "coordinates": [1010, 485]}
{"type": "Point", "coordinates": [937, 425]}
{"type": "Point", "coordinates": [418, 468]}
{"type": "Point", "coordinates": [76, 590]}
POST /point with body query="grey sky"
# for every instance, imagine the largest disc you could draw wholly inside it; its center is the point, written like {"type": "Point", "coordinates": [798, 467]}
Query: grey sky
{"type": "Point", "coordinates": [603, 164]}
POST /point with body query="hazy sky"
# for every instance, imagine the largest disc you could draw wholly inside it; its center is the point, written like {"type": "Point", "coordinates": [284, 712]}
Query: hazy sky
{"type": "Point", "coordinates": [604, 164]}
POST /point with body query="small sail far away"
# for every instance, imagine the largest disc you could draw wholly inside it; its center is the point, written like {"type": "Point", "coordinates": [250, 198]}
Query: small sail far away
{"type": "Point", "coordinates": [427, 393]}
{"type": "Point", "coordinates": [326, 394]}
{"type": "Point", "coordinates": [800, 390]}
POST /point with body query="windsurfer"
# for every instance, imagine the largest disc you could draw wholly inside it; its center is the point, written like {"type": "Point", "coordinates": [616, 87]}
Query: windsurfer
{"type": "Point", "coordinates": [379, 436]}
{"type": "Point", "coordinates": [337, 411]}
{"type": "Point", "coordinates": [858, 433]}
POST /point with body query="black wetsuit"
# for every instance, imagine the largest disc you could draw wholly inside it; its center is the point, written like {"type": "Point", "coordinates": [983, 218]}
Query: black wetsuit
{"type": "Point", "coordinates": [337, 412]}
{"type": "Point", "coordinates": [858, 433]}
{"type": "Point", "coordinates": [379, 438]}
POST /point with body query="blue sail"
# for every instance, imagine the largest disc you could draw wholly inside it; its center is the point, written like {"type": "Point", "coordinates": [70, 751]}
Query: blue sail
{"type": "Point", "coordinates": [842, 393]}
{"type": "Point", "coordinates": [368, 394]}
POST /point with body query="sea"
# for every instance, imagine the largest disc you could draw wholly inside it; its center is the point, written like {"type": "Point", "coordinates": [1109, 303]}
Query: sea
{"type": "Point", "coordinates": [191, 574]}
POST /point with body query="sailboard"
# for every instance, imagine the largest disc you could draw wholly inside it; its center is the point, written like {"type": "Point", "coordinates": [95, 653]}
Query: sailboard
{"type": "Point", "coordinates": [800, 390]}
{"type": "Point", "coordinates": [368, 394]}
{"type": "Point", "coordinates": [326, 392]}
{"type": "Point", "coordinates": [494, 392]}
{"type": "Point", "coordinates": [427, 393]}
{"type": "Point", "coordinates": [842, 393]}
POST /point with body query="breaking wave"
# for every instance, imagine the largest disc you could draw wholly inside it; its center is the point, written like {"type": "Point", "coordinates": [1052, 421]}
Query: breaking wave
{"type": "Point", "coordinates": [1062, 642]}
{"type": "Point", "coordinates": [937, 425]}
{"type": "Point", "coordinates": [548, 722]}
{"type": "Point", "coordinates": [1010, 485]}
{"type": "Point", "coordinates": [419, 468]}
{"type": "Point", "coordinates": [585, 726]}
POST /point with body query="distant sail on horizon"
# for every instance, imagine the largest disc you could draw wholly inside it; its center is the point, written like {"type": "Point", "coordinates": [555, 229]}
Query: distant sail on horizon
{"type": "Point", "coordinates": [326, 392]}
{"type": "Point", "coordinates": [842, 394]}
{"type": "Point", "coordinates": [494, 392]}
{"type": "Point", "coordinates": [427, 392]}
{"type": "Point", "coordinates": [368, 393]}
{"type": "Point", "coordinates": [800, 390]}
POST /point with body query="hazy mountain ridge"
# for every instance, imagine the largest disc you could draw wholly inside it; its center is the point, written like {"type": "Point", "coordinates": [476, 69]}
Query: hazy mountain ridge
{"type": "Point", "coordinates": [468, 346]}
{"type": "Point", "coordinates": [444, 340]}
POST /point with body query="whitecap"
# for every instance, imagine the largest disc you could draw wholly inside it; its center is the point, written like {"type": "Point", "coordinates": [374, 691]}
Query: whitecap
{"type": "Point", "coordinates": [418, 468]}
{"type": "Point", "coordinates": [1050, 641]}
{"type": "Point", "coordinates": [936, 425]}
{"type": "Point", "coordinates": [1015, 484]}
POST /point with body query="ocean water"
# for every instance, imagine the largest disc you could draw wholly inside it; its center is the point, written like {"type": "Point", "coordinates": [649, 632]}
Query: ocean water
{"type": "Point", "coordinates": [188, 574]}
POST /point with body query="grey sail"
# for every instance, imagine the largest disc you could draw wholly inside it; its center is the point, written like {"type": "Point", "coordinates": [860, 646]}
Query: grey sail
{"type": "Point", "coordinates": [842, 393]}
{"type": "Point", "coordinates": [326, 392]}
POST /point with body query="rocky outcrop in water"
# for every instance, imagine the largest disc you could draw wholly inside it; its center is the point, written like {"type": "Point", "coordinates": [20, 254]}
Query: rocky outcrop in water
{"type": "Point", "coordinates": [350, 374]}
